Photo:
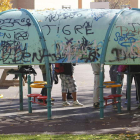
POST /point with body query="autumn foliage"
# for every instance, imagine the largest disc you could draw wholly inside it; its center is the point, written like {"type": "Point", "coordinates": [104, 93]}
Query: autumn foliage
{"type": "Point", "coordinates": [116, 4]}
{"type": "Point", "coordinates": [5, 5]}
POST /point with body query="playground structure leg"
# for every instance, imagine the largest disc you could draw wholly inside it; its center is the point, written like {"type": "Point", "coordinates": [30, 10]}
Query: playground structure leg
{"type": "Point", "coordinates": [119, 92]}
{"type": "Point", "coordinates": [29, 92]}
{"type": "Point", "coordinates": [21, 92]}
{"type": "Point", "coordinates": [101, 92]}
{"type": "Point", "coordinates": [128, 92]}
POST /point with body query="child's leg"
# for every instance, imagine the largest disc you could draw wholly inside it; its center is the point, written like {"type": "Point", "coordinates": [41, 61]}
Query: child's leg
{"type": "Point", "coordinates": [73, 89]}
{"type": "Point", "coordinates": [63, 86]}
{"type": "Point", "coordinates": [74, 96]}
{"type": "Point", "coordinates": [64, 97]}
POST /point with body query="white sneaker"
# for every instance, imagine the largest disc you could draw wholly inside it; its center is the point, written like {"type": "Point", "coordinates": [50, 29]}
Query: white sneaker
{"type": "Point", "coordinates": [115, 107]}
{"type": "Point", "coordinates": [76, 103]}
{"type": "Point", "coordinates": [66, 103]}
{"type": "Point", "coordinates": [125, 102]}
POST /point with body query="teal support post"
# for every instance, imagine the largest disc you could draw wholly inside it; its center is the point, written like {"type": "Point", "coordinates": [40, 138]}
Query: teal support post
{"type": "Point", "coordinates": [44, 47]}
{"type": "Point", "coordinates": [49, 97]}
{"type": "Point", "coordinates": [101, 92]}
{"type": "Point", "coordinates": [21, 91]}
{"type": "Point", "coordinates": [119, 92]}
{"type": "Point", "coordinates": [119, 81]}
{"type": "Point", "coordinates": [102, 61]}
{"type": "Point", "coordinates": [29, 92]}
{"type": "Point", "coordinates": [129, 89]}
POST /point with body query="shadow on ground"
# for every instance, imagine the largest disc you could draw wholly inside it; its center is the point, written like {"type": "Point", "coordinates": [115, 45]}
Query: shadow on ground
{"type": "Point", "coordinates": [68, 120]}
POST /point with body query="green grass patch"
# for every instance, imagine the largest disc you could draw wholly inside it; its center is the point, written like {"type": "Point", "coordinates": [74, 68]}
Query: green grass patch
{"type": "Point", "coordinates": [71, 137]}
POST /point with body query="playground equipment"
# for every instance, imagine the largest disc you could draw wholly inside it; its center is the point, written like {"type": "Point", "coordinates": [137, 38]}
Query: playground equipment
{"type": "Point", "coordinates": [114, 97]}
{"type": "Point", "coordinates": [105, 36]}
{"type": "Point", "coordinates": [34, 97]}
{"type": "Point", "coordinates": [37, 84]}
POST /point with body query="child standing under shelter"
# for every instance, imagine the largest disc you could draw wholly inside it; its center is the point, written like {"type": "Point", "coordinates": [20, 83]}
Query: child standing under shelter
{"type": "Point", "coordinates": [68, 83]}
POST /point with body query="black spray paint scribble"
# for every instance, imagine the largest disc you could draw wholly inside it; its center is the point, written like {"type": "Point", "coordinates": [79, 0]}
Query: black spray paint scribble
{"type": "Point", "coordinates": [14, 53]}
{"type": "Point", "coordinates": [22, 35]}
{"type": "Point", "coordinates": [53, 17]}
{"type": "Point", "coordinates": [5, 24]}
{"type": "Point", "coordinates": [121, 55]}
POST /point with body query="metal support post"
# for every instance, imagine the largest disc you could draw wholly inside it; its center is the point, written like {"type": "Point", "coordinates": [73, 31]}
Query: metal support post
{"type": "Point", "coordinates": [29, 92]}
{"type": "Point", "coordinates": [119, 92]}
{"type": "Point", "coordinates": [21, 91]}
{"type": "Point", "coordinates": [129, 89]}
{"type": "Point", "coordinates": [101, 92]}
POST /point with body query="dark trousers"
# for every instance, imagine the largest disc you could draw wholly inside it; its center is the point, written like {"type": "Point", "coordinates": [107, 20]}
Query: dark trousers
{"type": "Point", "coordinates": [44, 90]}
{"type": "Point", "coordinates": [113, 76]}
{"type": "Point", "coordinates": [137, 85]}
{"type": "Point", "coordinates": [136, 68]}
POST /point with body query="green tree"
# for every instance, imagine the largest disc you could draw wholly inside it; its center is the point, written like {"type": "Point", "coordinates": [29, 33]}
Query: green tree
{"type": "Point", "coordinates": [5, 5]}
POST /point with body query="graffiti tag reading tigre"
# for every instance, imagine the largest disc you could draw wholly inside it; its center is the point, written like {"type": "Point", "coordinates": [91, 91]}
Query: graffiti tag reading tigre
{"type": "Point", "coordinates": [78, 29]}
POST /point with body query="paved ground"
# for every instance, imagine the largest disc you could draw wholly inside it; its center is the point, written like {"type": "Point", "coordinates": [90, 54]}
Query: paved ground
{"type": "Point", "coordinates": [67, 120]}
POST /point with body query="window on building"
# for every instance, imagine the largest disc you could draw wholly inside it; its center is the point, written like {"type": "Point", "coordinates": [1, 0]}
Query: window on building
{"type": "Point", "coordinates": [66, 7]}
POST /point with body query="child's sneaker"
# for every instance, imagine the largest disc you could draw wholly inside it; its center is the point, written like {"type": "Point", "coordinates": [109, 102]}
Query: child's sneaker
{"type": "Point", "coordinates": [96, 105]}
{"type": "Point", "coordinates": [76, 103]}
{"type": "Point", "coordinates": [125, 102]}
{"type": "Point", "coordinates": [65, 103]}
{"type": "Point", "coordinates": [115, 107]}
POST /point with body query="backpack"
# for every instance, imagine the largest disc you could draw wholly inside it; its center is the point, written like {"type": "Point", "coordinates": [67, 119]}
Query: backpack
{"type": "Point", "coordinates": [122, 68]}
{"type": "Point", "coordinates": [26, 69]}
{"type": "Point", "coordinates": [59, 68]}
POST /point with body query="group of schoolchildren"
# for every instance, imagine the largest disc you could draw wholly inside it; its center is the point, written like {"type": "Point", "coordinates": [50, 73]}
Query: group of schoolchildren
{"type": "Point", "coordinates": [69, 87]}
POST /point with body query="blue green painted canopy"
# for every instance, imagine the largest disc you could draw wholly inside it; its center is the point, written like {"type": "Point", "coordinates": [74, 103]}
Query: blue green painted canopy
{"type": "Point", "coordinates": [64, 36]}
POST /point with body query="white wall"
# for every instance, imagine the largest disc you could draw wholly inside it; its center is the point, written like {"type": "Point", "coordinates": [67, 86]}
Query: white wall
{"type": "Point", "coordinates": [40, 4]}
{"type": "Point", "coordinates": [138, 3]}
{"type": "Point", "coordinates": [86, 4]}
{"type": "Point", "coordinates": [56, 4]}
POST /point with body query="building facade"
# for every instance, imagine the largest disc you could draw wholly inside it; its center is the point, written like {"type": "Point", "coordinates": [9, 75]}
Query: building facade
{"type": "Point", "coordinates": [72, 4]}
{"type": "Point", "coordinates": [56, 4]}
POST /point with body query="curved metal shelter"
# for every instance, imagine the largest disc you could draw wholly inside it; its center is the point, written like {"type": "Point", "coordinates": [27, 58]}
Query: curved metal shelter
{"type": "Point", "coordinates": [105, 36]}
